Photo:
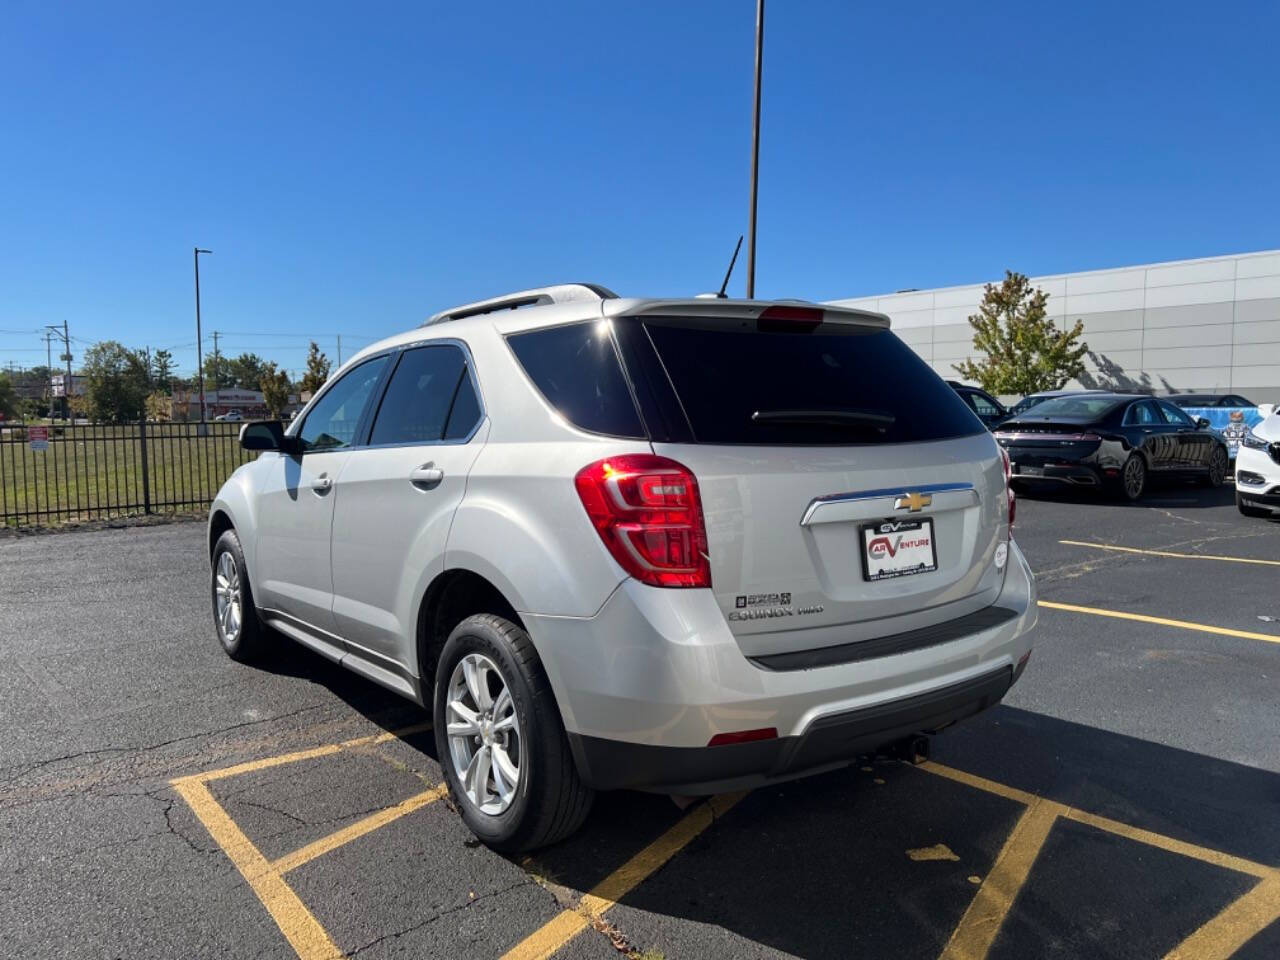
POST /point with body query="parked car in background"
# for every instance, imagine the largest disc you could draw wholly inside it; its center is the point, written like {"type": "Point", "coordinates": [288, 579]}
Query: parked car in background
{"type": "Point", "coordinates": [1031, 399]}
{"type": "Point", "coordinates": [1209, 400]}
{"type": "Point", "coordinates": [1117, 441]}
{"type": "Point", "coordinates": [1258, 468]}
{"type": "Point", "coordinates": [231, 416]}
{"type": "Point", "coordinates": [611, 543]}
{"type": "Point", "coordinates": [989, 410]}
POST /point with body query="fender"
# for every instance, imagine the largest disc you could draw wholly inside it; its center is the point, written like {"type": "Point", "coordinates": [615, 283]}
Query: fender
{"type": "Point", "coordinates": [235, 499]}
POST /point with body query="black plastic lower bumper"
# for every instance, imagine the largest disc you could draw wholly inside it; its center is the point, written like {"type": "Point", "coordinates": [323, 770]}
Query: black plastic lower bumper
{"type": "Point", "coordinates": [831, 740]}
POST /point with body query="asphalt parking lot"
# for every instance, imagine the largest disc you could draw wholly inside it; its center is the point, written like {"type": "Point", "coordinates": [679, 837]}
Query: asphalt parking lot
{"type": "Point", "coordinates": [159, 800]}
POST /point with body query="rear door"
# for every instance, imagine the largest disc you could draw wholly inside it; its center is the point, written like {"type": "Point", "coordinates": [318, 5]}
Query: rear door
{"type": "Point", "coordinates": [397, 497]}
{"type": "Point", "coordinates": [1153, 433]}
{"type": "Point", "coordinates": [849, 492]}
{"type": "Point", "coordinates": [1194, 444]}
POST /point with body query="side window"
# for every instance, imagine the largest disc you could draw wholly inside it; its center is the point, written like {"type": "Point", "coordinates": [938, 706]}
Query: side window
{"type": "Point", "coordinates": [1143, 414]}
{"type": "Point", "coordinates": [416, 405]}
{"type": "Point", "coordinates": [1174, 415]}
{"type": "Point", "coordinates": [982, 405]}
{"type": "Point", "coordinates": [332, 422]}
{"type": "Point", "coordinates": [466, 410]}
{"type": "Point", "coordinates": [1234, 401]}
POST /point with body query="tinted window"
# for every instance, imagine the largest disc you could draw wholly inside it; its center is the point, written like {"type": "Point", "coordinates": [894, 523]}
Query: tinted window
{"type": "Point", "coordinates": [331, 424]}
{"type": "Point", "coordinates": [1144, 414]}
{"type": "Point", "coordinates": [416, 404]}
{"type": "Point", "coordinates": [1085, 406]}
{"type": "Point", "coordinates": [465, 413]}
{"type": "Point", "coordinates": [1175, 416]}
{"type": "Point", "coordinates": [576, 368]}
{"type": "Point", "coordinates": [864, 386]}
{"type": "Point", "coordinates": [1237, 401]}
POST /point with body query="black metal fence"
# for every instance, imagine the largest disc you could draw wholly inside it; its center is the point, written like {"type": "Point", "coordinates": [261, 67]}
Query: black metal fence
{"type": "Point", "coordinates": [58, 472]}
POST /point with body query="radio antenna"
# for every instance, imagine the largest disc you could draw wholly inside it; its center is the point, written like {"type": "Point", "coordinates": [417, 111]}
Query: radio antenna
{"type": "Point", "coordinates": [728, 273]}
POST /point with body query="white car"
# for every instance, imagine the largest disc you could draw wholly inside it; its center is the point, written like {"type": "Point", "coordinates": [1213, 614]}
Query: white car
{"type": "Point", "coordinates": [674, 545]}
{"type": "Point", "coordinates": [231, 416]}
{"type": "Point", "coordinates": [1258, 466]}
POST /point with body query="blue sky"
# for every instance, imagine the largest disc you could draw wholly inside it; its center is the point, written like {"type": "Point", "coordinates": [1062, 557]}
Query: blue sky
{"type": "Point", "coordinates": [355, 167]}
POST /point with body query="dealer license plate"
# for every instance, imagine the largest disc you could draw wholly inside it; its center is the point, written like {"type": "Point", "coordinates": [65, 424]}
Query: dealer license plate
{"type": "Point", "coordinates": [898, 548]}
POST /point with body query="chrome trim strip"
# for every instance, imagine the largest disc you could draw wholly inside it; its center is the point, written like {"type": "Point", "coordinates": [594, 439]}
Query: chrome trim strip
{"type": "Point", "coordinates": [886, 493]}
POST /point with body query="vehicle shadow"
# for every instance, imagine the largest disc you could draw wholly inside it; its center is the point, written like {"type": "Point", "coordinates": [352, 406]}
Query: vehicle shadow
{"type": "Point", "coordinates": [882, 859]}
{"type": "Point", "coordinates": [1161, 493]}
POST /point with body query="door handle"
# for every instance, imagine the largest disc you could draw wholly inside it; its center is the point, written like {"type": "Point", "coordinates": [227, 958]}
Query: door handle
{"type": "Point", "coordinates": [322, 483]}
{"type": "Point", "coordinates": [426, 474]}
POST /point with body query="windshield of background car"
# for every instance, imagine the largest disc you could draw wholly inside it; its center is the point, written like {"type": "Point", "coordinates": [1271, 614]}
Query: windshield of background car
{"type": "Point", "coordinates": [864, 386]}
{"type": "Point", "coordinates": [1075, 407]}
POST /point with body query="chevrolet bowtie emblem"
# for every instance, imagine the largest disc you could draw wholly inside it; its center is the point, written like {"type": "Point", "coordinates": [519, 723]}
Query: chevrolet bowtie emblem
{"type": "Point", "coordinates": [915, 502]}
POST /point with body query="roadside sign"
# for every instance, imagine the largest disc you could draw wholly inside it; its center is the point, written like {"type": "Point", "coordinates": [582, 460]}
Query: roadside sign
{"type": "Point", "coordinates": [38, 437]}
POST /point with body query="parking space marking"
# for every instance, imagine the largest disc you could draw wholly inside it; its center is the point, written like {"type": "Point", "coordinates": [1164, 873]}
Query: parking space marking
{"type": "Point", "coordinates": [375, 821]}
{"type": "Point", "coordinates": [303, 931]}
{"type": "Point", "coordinates": [553, 935]}
{"type": "Point", "coordinates": [1235, 926]}
{"type": "Point", "coordinates": [1162, 621]}
{"type": "Point", "coordinates": [976, 932]}
{"type": "Point", "coordinates": [1168, 553]}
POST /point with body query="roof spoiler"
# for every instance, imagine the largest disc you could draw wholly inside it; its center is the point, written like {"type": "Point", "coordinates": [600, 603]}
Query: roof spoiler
{"type": "Point", "coordinates": [559, 293]}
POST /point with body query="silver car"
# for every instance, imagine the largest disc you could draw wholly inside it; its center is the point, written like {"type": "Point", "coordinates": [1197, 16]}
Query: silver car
{"type": "Point", "coordinates": [682, 546]}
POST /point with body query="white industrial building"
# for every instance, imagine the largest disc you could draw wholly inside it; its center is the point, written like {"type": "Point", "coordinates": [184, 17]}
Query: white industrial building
{"type": "Point", "coordinates": [1188, 325]}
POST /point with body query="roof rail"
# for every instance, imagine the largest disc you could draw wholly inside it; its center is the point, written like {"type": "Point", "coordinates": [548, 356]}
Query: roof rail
{"type": "Point", "coordinates": [559, 293]}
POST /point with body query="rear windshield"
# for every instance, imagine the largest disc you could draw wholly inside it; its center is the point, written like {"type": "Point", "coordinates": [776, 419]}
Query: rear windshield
{"type": "Point", "coordinates": [747, 387]}
{"type": "Point", "coordinates": [1074, 407]}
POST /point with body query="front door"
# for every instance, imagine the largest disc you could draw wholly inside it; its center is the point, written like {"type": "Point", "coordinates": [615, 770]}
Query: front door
{"type": "Point", "coordinates": [295, 504]}
{"type": "Point", "coordinates": [1155, 435]}
{"type": "Point", "coordinates": [397, 498]}
{"type": "Point", "coordinates": [1194, 444]}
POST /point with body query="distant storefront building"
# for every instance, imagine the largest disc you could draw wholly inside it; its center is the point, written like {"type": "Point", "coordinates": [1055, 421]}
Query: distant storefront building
{"type": "Point", "coordinates": [248, 403]}
{"type": "Point", "coordinates": [1188, 325]}
{"type": "Point", "coordinates": [59, 382]}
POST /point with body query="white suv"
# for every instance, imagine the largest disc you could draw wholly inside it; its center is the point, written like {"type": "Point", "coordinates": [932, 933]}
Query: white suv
{"type": "Point", "coordinates": [674, 545]}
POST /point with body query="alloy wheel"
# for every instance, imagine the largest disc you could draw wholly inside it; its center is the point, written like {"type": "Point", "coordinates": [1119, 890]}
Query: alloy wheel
{"type": "Point", "coordinates": [227, 588]}
{"type": "Point", "coordinates": [1217, 467]}
{"type": "Point", "coordinates": [1134, 477]}
{"type": "Point", "coordinates": [485, 741]}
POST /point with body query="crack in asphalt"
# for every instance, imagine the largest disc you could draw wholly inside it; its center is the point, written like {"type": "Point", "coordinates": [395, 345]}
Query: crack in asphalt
{"type": "Point", "coordinates": [395, 935]}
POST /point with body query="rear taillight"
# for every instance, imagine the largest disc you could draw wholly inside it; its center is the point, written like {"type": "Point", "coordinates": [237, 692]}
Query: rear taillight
{"type": "Point", "coordinates": [1008, 488]}
{"type": "Point", "coordinates": [647, 511]}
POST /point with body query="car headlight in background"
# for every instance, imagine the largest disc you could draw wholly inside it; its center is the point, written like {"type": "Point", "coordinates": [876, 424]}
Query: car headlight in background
{"type": "Point", "coordinates": [1253, 441]}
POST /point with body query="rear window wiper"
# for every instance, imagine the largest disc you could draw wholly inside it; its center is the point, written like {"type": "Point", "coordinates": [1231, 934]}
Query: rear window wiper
{"type": "Point", "coordinates": [875, 419]}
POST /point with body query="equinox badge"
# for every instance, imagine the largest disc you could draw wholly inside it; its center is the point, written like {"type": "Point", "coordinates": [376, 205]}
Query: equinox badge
{"type": "Point", "coordinates": [915, 502]}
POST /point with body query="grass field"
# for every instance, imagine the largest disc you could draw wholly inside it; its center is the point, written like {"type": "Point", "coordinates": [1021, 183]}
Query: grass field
{"type": "Point", "coordinates": [92, 471]}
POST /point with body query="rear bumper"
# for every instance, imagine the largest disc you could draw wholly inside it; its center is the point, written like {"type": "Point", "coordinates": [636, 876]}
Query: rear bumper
{"type": "Point", "coordinates": [829, 741]}
{"type": "Point", "coordinates": [646, 683]}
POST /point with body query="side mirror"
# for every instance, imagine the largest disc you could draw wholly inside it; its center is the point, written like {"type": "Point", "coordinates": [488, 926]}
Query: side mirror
{"type": "Point", "coordinates": [1202, 423]}
{"type": "Point", "coordinates": [266, 435]}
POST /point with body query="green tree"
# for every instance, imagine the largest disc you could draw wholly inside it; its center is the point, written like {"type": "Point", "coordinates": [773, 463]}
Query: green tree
{"type": "Point", "coordinates": [116, 382]}
{"type": "Point", "coordinates": [275, 388]}
{"type": "Point", "coordinates": [8, 398]}
{"type": "Point", "coordinates": [217, 372]}
{"type": "Point", "coordinates": [159, 406]}
{"type": "Point", "coordinates": [317, 370]}
{"type": "Point", "coordinates": [162, 370]}
{"type": "Point", "coordinates": [246, 370]}
{"type": "Point", "coordinates": [1021, 350]}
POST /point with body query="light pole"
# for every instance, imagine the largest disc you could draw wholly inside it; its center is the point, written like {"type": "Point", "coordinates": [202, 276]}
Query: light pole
{"type": "Point", "coordinates": [755, 154]}
{"type": "Point", "coordinates": [199, 353]}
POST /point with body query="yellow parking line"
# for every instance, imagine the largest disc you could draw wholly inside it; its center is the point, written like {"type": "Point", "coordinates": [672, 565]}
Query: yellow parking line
{"type": "Point", "coordinates": [980, 783]}
{"type": "Point", "coordinates": [545, 941]}
{"type": "Point", "coordinates": [291, 915]}
{"type": "Point", "coordinates": [292, 861]}
{"type": "Point", "coordinates": [1168, 553]}
{"type": "Point", "coordinates": [1235, 926]}
{"type": "Point", "coordinates": [298, 755]}
{"type": "Point", "coordinates": [1162, 621]}
{"type": "Point", "coordinates": [972, 939]}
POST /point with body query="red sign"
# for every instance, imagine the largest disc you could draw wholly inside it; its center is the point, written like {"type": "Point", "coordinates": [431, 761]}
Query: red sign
{"type": "Point", "coordinates": [38, 437]}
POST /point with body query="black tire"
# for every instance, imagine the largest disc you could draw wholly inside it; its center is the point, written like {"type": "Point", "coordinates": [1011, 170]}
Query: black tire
{"type": "Point", "coordinates": [1249, 511]}
{"type": "Point", "coordinates": [551, 801]}
{"type": "Point", "coordinates": [249, 641]}
{"type": "Point", "coordinates": [1133, 478]}
{"type": "Point", "coordinates": [1217, 468]}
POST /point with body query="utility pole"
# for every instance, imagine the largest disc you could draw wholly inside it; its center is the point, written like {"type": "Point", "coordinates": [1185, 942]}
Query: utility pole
{"type": "Point", "coordinates": [216, 384]}
{"type": "Point", "coordinates": [339, 350]}
{"type": "Point", "coordinates": [199, 354]}
{"type": "Point", "coordinates": [48, 365]}
{"type": "Point", "coordinates": [755, 154]}
{"type": "Point", "coordinates": [65, 336]}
